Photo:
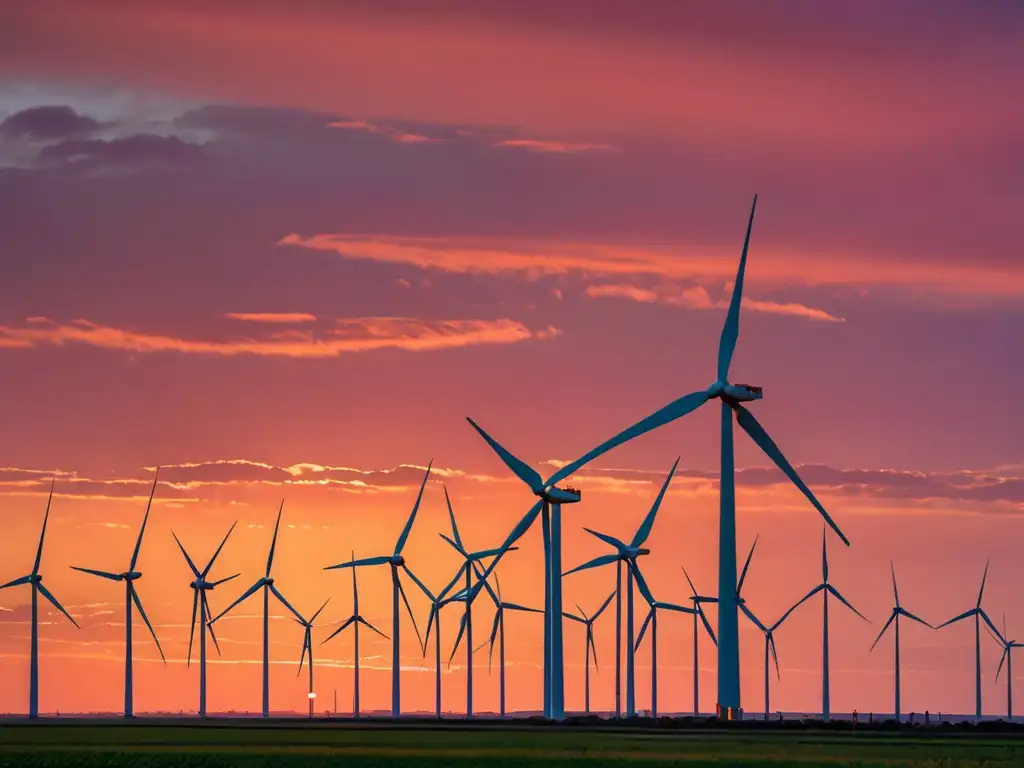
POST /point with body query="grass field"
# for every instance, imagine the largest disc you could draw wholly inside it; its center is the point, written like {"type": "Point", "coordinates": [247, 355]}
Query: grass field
{"type": "Point", "coordinates": [141, 745]}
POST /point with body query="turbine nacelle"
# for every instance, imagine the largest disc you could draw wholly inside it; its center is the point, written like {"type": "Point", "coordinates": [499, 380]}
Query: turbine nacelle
{"type": "Point", "coordinates": [555, 495]}
{"type": "Point", "coordinates": [735, 393]}
{"type": "Point", "coordinates": [201, 584]}
{"type": "Point", "coordinates": [35, 578]}
{"type": "Point", "coordinates": [631, 553]}
{"type": "Point", "coordinates": [397, 561]}
{"type": "Point", "coordinates": [131, 575]}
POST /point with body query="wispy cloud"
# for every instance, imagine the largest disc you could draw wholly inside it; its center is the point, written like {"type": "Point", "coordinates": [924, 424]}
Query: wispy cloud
{"type": "Point", "coordinates": [536, 145]}
{"type": "Point", "coordinates": [395, 134]}
{"type": "Point", "coordinates": [350, 335]}
{"type": "Point", "coordinates": [697, 297]}
{"type": "Point", "coordinates": [284, 318]}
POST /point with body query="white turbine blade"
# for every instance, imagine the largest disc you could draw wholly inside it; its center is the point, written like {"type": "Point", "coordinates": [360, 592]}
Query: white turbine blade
{"type": "Point", "coordinates": [101, 574]}
{"type": "Point", "coordinates": [42, 534]}
{"type": "Point", "coordinates": [277, 593]}
{"type": "Point", "coordinates": [245, 595]}
{"type": "Point", "coordinates": [519, 468]}
{"type": "Point", "coordinates": [195, 571]}
{"type": "Point", "coordinates": [645, 527]}
{"type": "Point", "coordinates": [224, 541]}
{"type": "Point", "coordinates": [757, 433]}
{"type": "Point", "coordinates": [142, 529]}
{"type": "Point", "coordinates": [750, 615]}
{"type": "Point", "coordinates": [412, 516]}
{"type": "Point", "coordinates": [844, 601]}
{"type": "Point", "coordinates": [597, 562]}
{"type": "Point", "coordinates": [892, 617]}
{"type": "Point", "coordinates": [17, 582]}
{"type": "Point", "coordinates": [912, 617]}
{"type": "Point", "coordinates": [273, 541]}
{"type": "Point", "coordinates": [192, 625]}
{"type": "Point", "coordinates": [451, 516]}
{"type": "Point", "coordinates": [145, 618]}
{"type": "Point", "coordinates": [53, 601]}
{"type": "Point", "coordinates": [731, 329]}
{"type": "Point", "coordinates": [961, 617]}
{"type": "Point", "coordinates": [674, 410]}
{"type": "Point", "coordinates": [349, 621]}
{"type": "Point", "coordinates": [643, 628]}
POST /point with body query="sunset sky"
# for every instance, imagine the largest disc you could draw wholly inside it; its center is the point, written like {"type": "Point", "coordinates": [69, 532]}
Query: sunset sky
{"type": "Point", "coordinates": [283, 249]}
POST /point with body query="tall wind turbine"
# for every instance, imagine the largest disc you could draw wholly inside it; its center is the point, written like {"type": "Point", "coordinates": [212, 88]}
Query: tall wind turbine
{"type": "Point", "coordinates": [1007, 658]}
{"type": "Point", "coordinates": [470, 559]}
{"type": "Point", "coordinates": [200, 586]}
{"type": "Point", "coordinates": [354, 621]}
{"type": "Point", "coordinates": [897, 611]}
{"type": "Point", "coordinates": [588, 623]}
{"type": "Point", "coordinates": [627, 554]}
{"type": "Point", "coordinates": [697, 599]}
{"type": "Point", "coordinates": [395, 561]}
{"type": "Point", "coordinates": [769, 632]}
{"type": "Point", "coordinates": [497, 632]}
{"type": "Point", "coordinates": [434, 617]}
{"type": "Point", "coordinates": [307, 645]}
{"type": "Point", "coordinates": [979, 614]}
{"type": "Point", "coordinates": [732, 396]}
{"type": "Point", "coordinates": [266, 583]}
{"type": "Point", "coordinates": [826, 589]}
{"type": "Point", "coordinates": [129, 577]}
{"type": "Point", "coordinates": [35, 579]}
{"type": "Point", "coordinates": [652, 620]}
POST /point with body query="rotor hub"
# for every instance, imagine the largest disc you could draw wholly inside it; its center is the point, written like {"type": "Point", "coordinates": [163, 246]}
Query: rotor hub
{"type": "Point", "coordinates": [397, 561]}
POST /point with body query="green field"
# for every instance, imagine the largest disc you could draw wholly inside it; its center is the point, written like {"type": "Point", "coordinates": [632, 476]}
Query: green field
{"type": "Point", "coordinates": [264, 744]}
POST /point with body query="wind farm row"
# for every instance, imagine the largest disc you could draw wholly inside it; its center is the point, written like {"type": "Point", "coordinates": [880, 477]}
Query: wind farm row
{"type": "Point", "coordinates": [478, 575]}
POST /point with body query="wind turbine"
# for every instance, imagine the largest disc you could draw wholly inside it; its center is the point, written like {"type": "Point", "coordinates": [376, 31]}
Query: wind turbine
{"type": "Point", "coordinates": [652, 620]}
{"type": "Point", "coordinates": [129, 577]}
{"type": "Point", "coordinates": [627, 553]}
{"type": "Point", "coordinates": [307, 645]}
{"type": "Point", "coordinates": [588, 623]}
{"type": "Point", "coordinates": [978, 613]}
{"type": "Point", "coordinates": [826, 589]}
{"type": "Point", "coordinates": [200, 586]}
{"type": "Point", "coordinates": [468, 566]}
{"type": "Point", "coordinates": [769, 632]}
{"type": "Point", "coordinates": [1007, 658]}
{"type": "Point", "coordinates": [497, 632]}
{"type": "Point", "coordinates": [266, 583]}
{"type": "Point", "coordinates": [354, 621]}
{"type": "Point", "coordinates": [732, 396]}
{"type": "Point", "coordinates": [35, 579]}
{"type": "Point", "coordinates": [897, 611]}
{"type": "Point", "coordinates": [697, 599]}
{"type": "Point", "coordinates": [395, 561]}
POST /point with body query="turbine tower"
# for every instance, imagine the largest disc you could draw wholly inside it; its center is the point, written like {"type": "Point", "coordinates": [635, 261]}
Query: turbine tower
{"type": "Point", "coordinates": [826, 589]}
{"type": "Point", "coordinates": [588, 623]}
{"type": "Point", "coordinates": [200, 586]}
{"type": "Point", "coordinates": [35, 579]}
{"type": "Point", "coordinates": [1007, 658]}
{"type": "Point", "coordinates": [652, 620]}
{"type": "Point", "coordinates": [354, 621]}
{"type": "Point", "coordinates": [266, 583]}
{"type": "Point", "coordinates": [307, 645]}
{"type": "Point", "coordinates": [769, 632]}
{"type": "Point", "coordinates": [129, 577]}
{"type": "Point", "coordinates": [395, 561]}
{"type": "Point", "coordinates": [697, 599]}
{"type": "Point", "coordinates": [979, 614]}
{"type": "Point", "coordinates": [628, 553]}
{"type": "Point", "coordinates": [897, 611]}
{"type": "Point", "coordinates": [732, 397]}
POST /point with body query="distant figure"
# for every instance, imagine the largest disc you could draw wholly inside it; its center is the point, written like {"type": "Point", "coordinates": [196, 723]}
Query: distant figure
{"type": "Point", "coordinates": [927, 718]}
{"type": "Point", "coordinates": [855, 718]}
{"type": "Point", "coordinates": [871, 718]}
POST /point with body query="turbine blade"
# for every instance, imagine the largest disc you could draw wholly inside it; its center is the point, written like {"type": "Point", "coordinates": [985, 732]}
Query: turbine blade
{"type": "Point", "coordinates": [824, 556]}
{"type": "Point", "coordinates": [382, 560]}
{"type": "Point", "coordinates": [305, 644]}
{"type": "Point", "coordinates": [961, 617]}
{"type": "Point", "coordinates": [611, 540]}
{"type": "Point", "coordinates": [273, 541]}
{"type": "Point", "coordinates": [674, 410]}
{"type": "Point", "coordinates": [192, 625]}
{"type": "Point", "coordinates": [643, 628]}
{"type": "Point", "coordinates": [42, 534]}
{"type": "Point", "coordinates": [519, 468]}
{"type": "Point", "coordinates": [101, 574]}
{"type": "Point", "coordinates": [912, 617]}
{"type": "Point", "coordinates": [689, 581]}
{"type": "Point", "coordinates": [485, 553]}
{"type": "Point", "coordinates": [731, 329]}
{"type": "Point", "coordinates": [518, 607]}
{"type": "Point", "coordinates": [412, 516]}
{"type": "Point", "coordinates": [597, 562]}
{"type": "Point", "coordinates": [53, 601]}
{"type": "Point", "coordinates": [983, 578]}
{"type": "Point", "coordinates": [142, 530]}
{"type": "Point", "coordinates": [454, 546]}
{"type": "Point", "coordinates": [206, 623]}
{"type": "Point", "coordinates": [645, 527]}
{"type": "Point", "coordinates": [593, 646]}
{"type": "Point", "coordinates": [798, 603]}
{"type": "Point", "coordinates": [753, 428]}
{"type": "Point", "coordinates": [225, 579]}
{"type": "Point", "coordinates": [345, 625]}
{"type": "Point", "coordinates": [521, 528]}
{"type": "Point", "coordinates": [145, 618]}
{"type": "Point", "coordinates": [418, 583]}
{"type": "Point", "coordinates": [451, 584]}
{"type": "Point", "coordinates": [641, 582]}
{"type": "Point", "coordinates": [895, 590]}
{"type": "Point", "coordinates": [775, 657]}
{"type": "Point", "coordinates": [19, 582]}
{"type": "Point", "coordinates": [600, 610]}
{"type": "Point", "coordinates": [451, 516]}
{"type": "Point", "coordinates": [892, 617]}
{"type": "Point", "coordinates": [999, 639]}
{"type": "Point", "coordinates": [195, 571]}
{"type": "Point", "coordinates": [245, 595]}
{"type": "Point", "coordinates": [707, 624]}
{"type": "Point", "coordinates": [318, 610]}
{"type": "Point", "coordinates": [573, 617]}
{"type": "Point", "coordinates": [676, 608]}
{"type": "Point", "coordinates": [495, 626]}
{"type": "Point", "coordinates": [458, 638]}
{"type": "Point", "coordinates": [277, 593]}
{"type": "Point", "coordinates": [1002, 659]}
{"type": "Point", "coordinates": [988, 621]}
{"type": "Point", "coordinates": [746, 565]}
{"type": "Point", "coordinates": [408, 608]}
{"type": "Point", "coordinates": [750, 615]}
{"type": "Point", "coordinates": [224, 541]}
{"type": "Point", "coordinates": [370, 626]}
{"type": "Point", "coordinates": [844, 601]}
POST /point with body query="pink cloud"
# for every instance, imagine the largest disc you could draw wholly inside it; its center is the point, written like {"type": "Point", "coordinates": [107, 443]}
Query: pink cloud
{"type": "Point", "coordinates": [272, 317]}
{"type": "Point", "coordinates": [554, 146]}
